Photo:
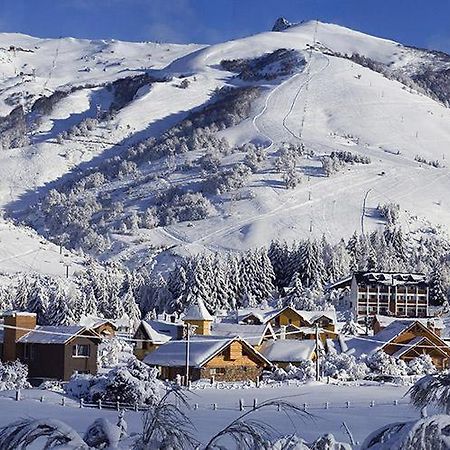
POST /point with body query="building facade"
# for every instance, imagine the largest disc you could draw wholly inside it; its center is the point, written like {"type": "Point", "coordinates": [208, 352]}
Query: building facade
{"type": "Point", "coordinates": [397, 294]}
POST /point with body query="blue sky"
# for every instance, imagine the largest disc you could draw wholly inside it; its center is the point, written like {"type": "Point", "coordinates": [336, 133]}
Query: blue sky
{"type": "Point", "coordinates": [415, 22]}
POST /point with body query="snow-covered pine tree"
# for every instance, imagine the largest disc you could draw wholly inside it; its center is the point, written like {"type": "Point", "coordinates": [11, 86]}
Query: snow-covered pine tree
{"type": "Point", "coordinates": [131, 308]}
{"type": "Point", "coordinates": [311, 265]}
{"type": "Point", "coordinates": [38, 299]}
{"type": "Point", "coordinates": [437, 290]}
{"type": "Point", "coordinates": [61, 310]}
{"type": "Point", "coordinates": [221, 285]}
{"type": "Point", "coordinates": [353, 251]}
{"type": "Point", "coordinates": [279, 257]}
{"type": "Point", "coordinates": [339, 265]}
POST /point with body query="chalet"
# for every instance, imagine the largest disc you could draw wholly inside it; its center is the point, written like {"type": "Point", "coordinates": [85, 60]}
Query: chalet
{"type": "Point", "coordinates": [283, 352]}
{"type": "Point", "coordinates": [49, 352]}
{"type": "Point", "coordinates": [404, 339]}
{"type": "Point", "coordinates": [103, 327]}
{"type": "Point", "coordinates": [291, 316]}
{"type": "Point", "coordinates": [399, 294]}
{"type": "Point", "coordinates": [151, 334]}
{"type": "Point", "coordinates": [224, 359]}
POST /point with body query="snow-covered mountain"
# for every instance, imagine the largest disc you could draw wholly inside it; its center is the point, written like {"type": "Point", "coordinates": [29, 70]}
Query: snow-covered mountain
{"type": "Point", "coordinates": [124, 149]}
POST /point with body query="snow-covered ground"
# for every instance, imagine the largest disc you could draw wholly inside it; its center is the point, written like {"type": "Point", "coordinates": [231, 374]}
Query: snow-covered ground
{"type": "Point", "coordinates": [334, 104]}
{"type": "Point", "coordinates": [358, 415]}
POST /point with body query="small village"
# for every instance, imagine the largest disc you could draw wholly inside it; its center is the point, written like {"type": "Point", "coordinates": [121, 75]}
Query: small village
{"type": "Point", "coordinates": [392, 316]}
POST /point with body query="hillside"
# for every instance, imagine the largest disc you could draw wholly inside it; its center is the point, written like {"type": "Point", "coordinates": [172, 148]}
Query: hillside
{"type": "Point", "coordinates": [194, 148]}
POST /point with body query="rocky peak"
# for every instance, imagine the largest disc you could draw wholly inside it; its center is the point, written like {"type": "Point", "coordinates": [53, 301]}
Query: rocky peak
{"type": "Point", "coordinates": [281, 24]}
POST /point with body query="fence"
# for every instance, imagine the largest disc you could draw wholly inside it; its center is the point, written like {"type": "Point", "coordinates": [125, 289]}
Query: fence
{"type": "Point", "coordinates": [235, 405]}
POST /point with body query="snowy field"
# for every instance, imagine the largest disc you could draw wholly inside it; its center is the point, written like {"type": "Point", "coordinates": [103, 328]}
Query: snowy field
{"type": "Point", "coordinates": [358, 415]}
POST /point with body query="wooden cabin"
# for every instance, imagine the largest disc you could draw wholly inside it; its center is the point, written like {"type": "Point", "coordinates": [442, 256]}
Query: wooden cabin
{"type": "Point", "coordinates": [405, 339]}
{"type": "Point", "coordinates": [50, 352]}
{"type": "Point", "coordinates": [151, 334]}
{"type": "Point", "coordinates": [218, 358]}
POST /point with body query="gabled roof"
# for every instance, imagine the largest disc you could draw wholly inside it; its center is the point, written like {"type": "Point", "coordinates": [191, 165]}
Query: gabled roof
{"type": "Point", "coordinates": [201, 350]}
{"type": "Point", "coordinates": [253, 334]}
{"type": "Point", "coordinates": [288, 350]}
{"type": "Point", "coordinates": [385, 321]}
{"type": "Point", "coordinates": [159, 331]}
{"type": "Point", "coordinates": [54, 334]}
{"type": "Point", "coordinates": [197, 311]}
{"type": "Point", "coordinates": [90, 321]}
{"type": "Point", "coordinates": [369, 345]}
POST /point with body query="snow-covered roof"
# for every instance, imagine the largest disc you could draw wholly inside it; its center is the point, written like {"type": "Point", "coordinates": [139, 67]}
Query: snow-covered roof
{"type": "Point", "coordinates": [197, 311]}
{"type": "Point", "coordinates": [390, 278]}
{"type": "Point", "coordinates": [201, 350]}
{"type": "Point", "coordinates": [370, 344]}
{"type": "Point", "coordinates": [385, 321]}
{"type": "Point", "coordinates": [51, 334]}
{"type": "Point", "coordinates": [310, 316]}
{"type": "Point", "coordinates": [253, 334]}
{"type": "Point", "coordinates": [288, 350]}
{"type": "Point", "coordinates": [90, 321]}
{"type": "Point", "coordinates": [159, 332]}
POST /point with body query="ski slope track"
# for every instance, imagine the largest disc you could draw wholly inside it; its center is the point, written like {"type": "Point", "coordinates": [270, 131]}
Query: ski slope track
{"type": "Point", "coordinates": [333, 104]}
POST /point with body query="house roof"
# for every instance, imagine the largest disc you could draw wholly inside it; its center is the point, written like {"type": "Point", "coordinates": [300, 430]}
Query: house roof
{"type": "Point", "coordinates": [385, 321]}
{"type": "Point", "coordinates": [197, 311]}
{"type": "Point", "coordinates": [160, 331]}
{"type": "Point", "coordinates": [288, 350]}
{"type": "Point", "coordinates": [253, 334]}
{"type": "Point", "coordinates": [201, 350]}
{"type": "Point", "coordinates": [369, 345]}
{"type": "Point", "coordinates": [51, 334]}
{"type": "Point", "coordinates": [310, 316]}
{"type": "Point", "coordinates": [90, 321]}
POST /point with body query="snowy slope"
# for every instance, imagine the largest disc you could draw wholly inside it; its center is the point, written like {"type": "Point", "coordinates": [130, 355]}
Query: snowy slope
{"type": "Point", "coordinates": [332, 104]}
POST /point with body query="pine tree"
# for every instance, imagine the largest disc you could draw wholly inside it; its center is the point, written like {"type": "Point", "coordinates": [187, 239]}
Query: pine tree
{"type": "Point", "coordinates": [353, 251]}
{"type": "Point", "coordinates": [130, 308]}
{"type": "Point", "coordinates": [311, 266]}
{"type": "Point", "coordinates": [437, 290]}
{"type": "Point", "coordinates": [38, 300]}
{"type": "Point", "coordinates": [339, 265]}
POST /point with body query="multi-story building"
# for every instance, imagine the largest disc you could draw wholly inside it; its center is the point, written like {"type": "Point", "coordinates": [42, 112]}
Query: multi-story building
{"type": "Point", "coordinates": [385, 293]}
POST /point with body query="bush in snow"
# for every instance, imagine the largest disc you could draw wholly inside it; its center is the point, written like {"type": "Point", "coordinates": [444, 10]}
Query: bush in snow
{"type": "Point", "coordinates": [425, 433]}
{"type": "Point", "coordinates": [112, 351]}
{"type": "Point", "coordinates": [432, 390]}
{"type": "Point", "coordinates": [302, 371]}
{"type": "Point", "coordinates": [13, 375]}
{"type": "Point", "coordinates": [343, 367]}
{"type": "Point", "coordinates": [422, 365]}
{"type": "Point", "coordinates": [384, 364]}
{"type": "Point", "coordinates": [227, 180]}
{"type": "Point", "coordinates": [133, 383]}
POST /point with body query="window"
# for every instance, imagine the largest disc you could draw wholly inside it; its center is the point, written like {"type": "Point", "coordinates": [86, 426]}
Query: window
{"type": "Point", "coordinates": [28, 352]}
{"type": "Point", "coordinates": [81, 350]}
{"type": "Point", "coordinates": [217, 371]}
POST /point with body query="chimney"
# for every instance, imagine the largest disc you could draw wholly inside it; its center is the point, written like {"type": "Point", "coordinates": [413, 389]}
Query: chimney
{"type": "Point", "coordinates": [21, 323]}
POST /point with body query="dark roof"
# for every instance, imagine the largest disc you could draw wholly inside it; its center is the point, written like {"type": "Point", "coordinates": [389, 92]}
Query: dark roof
{"type": "Point", "coordinates": [53, 334]}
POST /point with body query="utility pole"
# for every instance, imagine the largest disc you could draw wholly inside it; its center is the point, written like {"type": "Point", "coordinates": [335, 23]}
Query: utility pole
{"type": "Point", "coordinates": [317, 354]}
{"type": "Point", "coordinates": [187, 333]}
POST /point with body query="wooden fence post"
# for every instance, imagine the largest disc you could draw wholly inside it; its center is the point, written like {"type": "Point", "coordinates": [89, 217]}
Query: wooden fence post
{"type": "Point", "coordinates": [99, 404]}
{"type": "Point", "coordinates": [372, 404]}
{"type": "Point", "coordinates": [18, 396]}
{"type": "Point", "coordinates": [327, 405]}
{"type": "Point", "coordinates": [81, 402]}
{"type": "Point", "coordinates": [241, 404]}
{"type": "Point", "coordinates": [347, 404]}
{"type": "Point", "coordinates": [395, 402]}
{"type": "Point", "coordinates": [195, 406]}
{"type": "Point", "coordinates": [255, 403]}
{"type": "Point", "coordinates": [42, 399]}
{"type": "Point", "coordinates": [305, 406]}
{"type": "Point", "coordinates": [63, 401]}
{"type": "Point", "coordinates": [214, 406]}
